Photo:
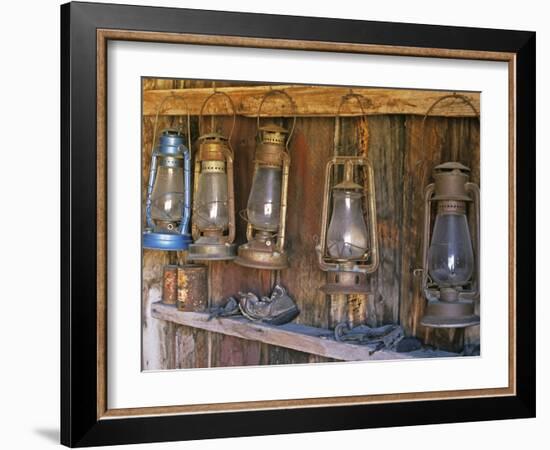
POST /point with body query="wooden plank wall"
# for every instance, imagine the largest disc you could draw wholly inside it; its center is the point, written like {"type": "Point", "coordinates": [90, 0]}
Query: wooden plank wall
{"type": "Point", "coordinates": [402, 169]}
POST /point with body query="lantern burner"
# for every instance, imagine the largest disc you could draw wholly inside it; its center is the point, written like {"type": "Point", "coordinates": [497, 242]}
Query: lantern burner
{"type": "Point", "coordinates": [346, 281]}
{"type": "Point", "coordinates": [260, 253]}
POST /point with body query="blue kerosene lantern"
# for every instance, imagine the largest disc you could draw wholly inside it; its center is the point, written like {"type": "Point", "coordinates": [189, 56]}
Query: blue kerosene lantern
{"type": "Point", "coordinates": [168, 203]}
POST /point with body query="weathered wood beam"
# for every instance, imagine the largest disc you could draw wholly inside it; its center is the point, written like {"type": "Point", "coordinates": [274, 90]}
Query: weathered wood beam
{"type": "Point", "coordinates": [310, 101]}
{"type": "Point", "coordinates": [303, 338]}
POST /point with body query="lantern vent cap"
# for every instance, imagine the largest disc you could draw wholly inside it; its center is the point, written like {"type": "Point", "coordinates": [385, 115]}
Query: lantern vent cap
{"type": "Point", "coordinates": [172, 132]}
{"type": "Point", "coordinates": [451, 166]}
{"type": "Point", "coordinates": [213, 137]}
{"type": "Point", "coordinates": [171, 142]}
{"type": "Point", "coordinates": [348, 185]}
{"type": "Point", "coordinates": [273, 128]}
{"type": "Point", "coordinates": [272, 134]}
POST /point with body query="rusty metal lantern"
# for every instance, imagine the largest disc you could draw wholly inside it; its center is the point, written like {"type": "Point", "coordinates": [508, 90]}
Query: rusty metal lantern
{"type": "Point", "coordinates": [267, 202]}
{"type": "Point", "coordinates": [213, 220]}
{"type": "Point", "coordinates": [450, 247]}
{"type": "Point", "coordinates": [348, 246]}
{"type": "Point", "coordinates": [450, 272]}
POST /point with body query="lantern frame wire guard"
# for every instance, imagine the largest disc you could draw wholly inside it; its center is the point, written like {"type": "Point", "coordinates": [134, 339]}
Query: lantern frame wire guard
{"type": "Point", "coordinates": [179, 238]}
{"type": "Point", "coordinates": [214, 243]}
{"type": "Point", "coordinates": [265, 248]}
{"type": "Point", "coordinates": [450, 190]}
{"type": "Point", "coordinates": [350, 274]}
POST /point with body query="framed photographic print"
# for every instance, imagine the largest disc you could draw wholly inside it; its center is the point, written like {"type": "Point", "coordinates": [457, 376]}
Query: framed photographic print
{"type": "Point", "coordinates": [277, 224]}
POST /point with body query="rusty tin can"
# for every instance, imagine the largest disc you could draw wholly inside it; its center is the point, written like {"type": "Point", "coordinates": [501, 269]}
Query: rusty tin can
{"type": "Point", "coordinates": [170, 285]}
{"type": "Point", "coordinates": [192, 288]}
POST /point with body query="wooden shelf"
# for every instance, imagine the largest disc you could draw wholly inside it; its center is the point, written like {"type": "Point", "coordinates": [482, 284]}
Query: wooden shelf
{"type": "Point", "coordinates": [310, 101]}
{"type": "Point", "coordinates": [317, 341]}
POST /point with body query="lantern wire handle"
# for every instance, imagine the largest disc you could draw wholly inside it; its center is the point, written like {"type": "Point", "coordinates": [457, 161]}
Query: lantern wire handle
{"type": "Point", "coordinates": [172, 97]}
{"type": "Point", "coordinates": [345, 99]}
{"type": "Point", "coordinates": [271, 93]}
{"type": "Point", "coordinates": [454, 95]}
{"type": "Point", "coordinates": [228, 98]}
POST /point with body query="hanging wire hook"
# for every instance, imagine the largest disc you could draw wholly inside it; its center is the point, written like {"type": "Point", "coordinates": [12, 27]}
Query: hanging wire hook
{"type": "Point", "coordinates": [158, 113]}
{"type": "Point", "coordinates": [338, 119]}
{"type": "Point", "coordinates": [271, 93]}
{"type": "Point", "coordinates": [454, 95]}
{"type": "Point", "coordinates": [351, 96]}
{"type": "Point", "coordinates": [229, 101]}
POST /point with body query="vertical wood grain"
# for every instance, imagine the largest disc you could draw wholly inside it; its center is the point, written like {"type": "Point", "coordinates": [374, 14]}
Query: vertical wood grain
{"type": "Point", "coordinates": [310, 150]}
{"type": "Point", "coordinates": [385, 150]}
